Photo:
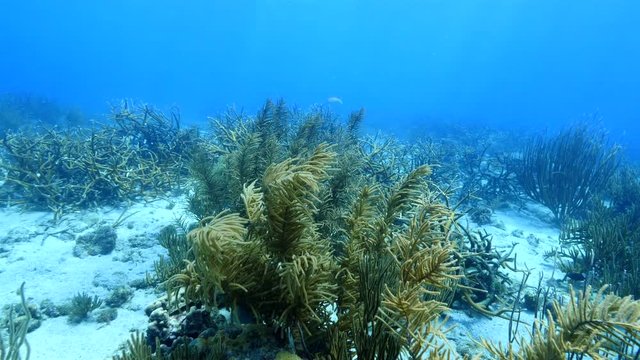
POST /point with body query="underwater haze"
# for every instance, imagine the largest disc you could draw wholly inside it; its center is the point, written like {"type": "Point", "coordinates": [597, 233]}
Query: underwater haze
{"type": "Point", "coordinates": [315, 179]}
{"type": "Point", "coordinates": [512, 63]}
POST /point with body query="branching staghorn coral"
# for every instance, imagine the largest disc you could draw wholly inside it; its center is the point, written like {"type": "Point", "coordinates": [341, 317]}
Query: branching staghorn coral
{"type": "Point", "coordinates": [484, 282]}
{"type": "Point", "coordinates": [74, 168]}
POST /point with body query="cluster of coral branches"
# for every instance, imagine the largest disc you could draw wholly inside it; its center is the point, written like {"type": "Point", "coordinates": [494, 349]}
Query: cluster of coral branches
{"type": "Point", "coordinates": [343, 246]}
{"type": "Point", "coordinates": [141, 152]}
{"type": "Point", "coordinates": [354, 249]}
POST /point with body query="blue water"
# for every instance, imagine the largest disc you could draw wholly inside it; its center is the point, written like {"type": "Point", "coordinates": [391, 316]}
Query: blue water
{"type": "Point", "coordinates": [521, 63]}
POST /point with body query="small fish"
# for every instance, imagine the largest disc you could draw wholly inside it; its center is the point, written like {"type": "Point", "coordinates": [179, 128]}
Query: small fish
{"type": "Point", "coordinates": [334, 100]}
{"type": "Point", "coordinates": [575, 276]}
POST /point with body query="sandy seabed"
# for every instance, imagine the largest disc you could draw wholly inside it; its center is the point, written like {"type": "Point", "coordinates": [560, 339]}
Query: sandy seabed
{"type": "Point", "coordinates": [36, 251]}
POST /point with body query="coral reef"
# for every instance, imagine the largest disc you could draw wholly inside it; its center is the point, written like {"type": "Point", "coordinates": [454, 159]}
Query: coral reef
{"type": "Point", "coordinates": [81, 305]}
{"type": "Point", "coordinates": [596, 325]}
{"type": "Point", "coordinates": [275, 262]}
{"type": "Point", "coordinates": [62, 169]}
{"type": "Point", "coordinates": [605, 249]}
{"type": "Point", "coordinates": [16, 110]}
{"type": "Point", "coordinates": [343, 250]}
{"type": "Point", "coordinates": [565, 172]}
{"type": "Point", "coordinates": [174, 239]}
{"type": "Point", "coordinates": [119, 296]}
{"type": "Point", "coordinates": [241, 147]}
{"type": "Point", "coordinates": [326, 244]}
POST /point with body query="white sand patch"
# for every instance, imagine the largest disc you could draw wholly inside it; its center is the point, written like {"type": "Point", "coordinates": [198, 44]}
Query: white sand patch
{"type": "Point", "coordinates": [534, 233]}
{"type": "Point", "coordinates": [40, 253]}
{"type": "Point", "coordinates": [88, 340]}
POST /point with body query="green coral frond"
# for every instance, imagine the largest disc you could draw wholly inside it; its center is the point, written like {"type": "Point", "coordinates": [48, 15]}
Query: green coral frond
{"type": "Point", "coordinates": [408, 191]}
{"type": "Point", "coordinates": [362, 215]}
{"type": "Point", "coordinates": [320, 162]}
{"type": "Point", "coordinates": [289, 223]}
{"type": "Point", "coordinates": [291, 189]}
{"type": "Point", "coordinates": [17, 345]}
{"type": "Point", "coordinates": [136, 349]}
{"type": "Point", "coordinates": [424, 253]}
{"type": "Point", "coordinates": [434, 266]}
{"type": "Point", "coordinates": [354, 123]}
{"type": "Point", "coordinates": [307, 289]}
{"type": "Point", "coordinates": [595, 325]}
{"type": "Point", "coordinates": [406, 312]}
{"type": "Point", "coordinates": [210, 185]}
{"type": "Point", "coordinates": [245, 161]}
{"type": "Point", "coordinates": [225, 260]}
{"type": "Point", "coordinates": [186, 285]}
{"type": "Point", "coordinates": [564, 172]}
{"type": "Point", "coordinates": [372, 338]}
{"type": "Point", "coordinates": [231, 227]}
{"type": "Point", "coordinates": [253, 202]}
{"type": "Point", "coordinates": [606, 321]}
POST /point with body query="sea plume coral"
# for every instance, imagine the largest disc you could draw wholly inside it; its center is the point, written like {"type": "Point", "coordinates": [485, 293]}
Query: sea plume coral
{"type": "Point", "coordinates": [596, 325]}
